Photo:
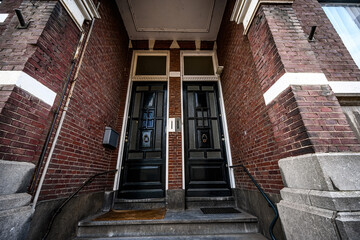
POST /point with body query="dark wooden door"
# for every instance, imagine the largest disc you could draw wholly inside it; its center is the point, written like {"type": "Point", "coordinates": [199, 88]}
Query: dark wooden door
{"type": "Point", "coordinates": [143, 166]}
{"type": "Point", "coordinates": [205, 156]}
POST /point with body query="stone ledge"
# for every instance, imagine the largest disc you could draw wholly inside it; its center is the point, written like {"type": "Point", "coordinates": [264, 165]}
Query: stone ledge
{"type": "Point", "coordinates": [15, 176]}
{"type": "Point", "coordinates": [336, 201]}
{"type": "Point", "coordinates": [306, 222]}
{"type": "Point", "coordinates": [11, 201]}
{"type": "Point", "coordinates": [14, 223]}
{"type": "Point", "coordinates": [324, 171]}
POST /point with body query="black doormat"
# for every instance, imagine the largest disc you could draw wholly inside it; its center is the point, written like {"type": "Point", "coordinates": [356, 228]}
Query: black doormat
{"type": "Point", "coordinates": [223, 210]}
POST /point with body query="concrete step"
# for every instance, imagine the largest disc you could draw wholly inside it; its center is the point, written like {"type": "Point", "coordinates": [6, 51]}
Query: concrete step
{"type": "Point", "coordinates": [242, 236]}
{"type": "Point", "coordinates": [15, 222]}
{"type": "Point", "coordinates": [16, 200]}
{"type": "Point", "coordinates": [175, 223]}
{"type": "Point", "coordinates": [132, 204]}
{"type": "Point", "coordinates": [198, 202]}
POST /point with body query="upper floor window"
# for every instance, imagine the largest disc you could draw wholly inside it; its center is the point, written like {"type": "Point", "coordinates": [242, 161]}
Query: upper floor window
{"type": "Point", "coordinates": [345, 17]}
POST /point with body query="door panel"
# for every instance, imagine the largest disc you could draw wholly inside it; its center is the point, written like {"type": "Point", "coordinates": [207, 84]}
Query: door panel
{"type": "Point", "coordinates": [143, 169]}
{"type": "Point", "coordinates": [205, 156]}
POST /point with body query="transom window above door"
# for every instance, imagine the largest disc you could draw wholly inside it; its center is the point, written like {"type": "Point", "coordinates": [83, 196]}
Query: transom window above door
{"type": "Point", "coordinates": [150, 66]}
{"type": "Point", "coordinates": [198, 65]}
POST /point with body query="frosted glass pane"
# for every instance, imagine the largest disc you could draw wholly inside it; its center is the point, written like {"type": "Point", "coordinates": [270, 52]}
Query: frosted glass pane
{"type": "Point", "coordinates": [198, 65]}
{"type": "Point", "coordinates": [345, 20]}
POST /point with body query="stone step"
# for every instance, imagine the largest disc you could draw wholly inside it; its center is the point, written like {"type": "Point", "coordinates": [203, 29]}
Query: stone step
{"type": "Point", "coordinates": [241, 236]}
{"type": "Point", "coordinates": [16, 200]}
{"type": "Point", "coordinates": [175, 223]}
{"type": "Point", "coordinates": [197, 202]}
{"type": "Point", "coordinates": [15, 222]}
{"type": "Point", "coordinates": [132, 204]}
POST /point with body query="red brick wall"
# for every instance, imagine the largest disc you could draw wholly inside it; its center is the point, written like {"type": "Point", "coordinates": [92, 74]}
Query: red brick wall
{"type": "Point", "coordinates": [19, 44]}
{"type": "Point", "coordinates": [250, 129]}
{"type": "Point", "coordinates": [333, 57]}
{"type": "Point", "coordinates": [26, 118]}
{"type": "Point", "coordinates": [23, 118]}
{"type": "Point", "coordinates": [98, 97]}
{"type": "Point", "coordinates": [301, 120]}
{"type": "Point", "coordinates": [8, 6]}
{"type": "Point", "coordinates": [279, 44]}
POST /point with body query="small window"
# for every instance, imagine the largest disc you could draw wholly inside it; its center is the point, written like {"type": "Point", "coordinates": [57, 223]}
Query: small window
{"type": "Point", "coordinates": [151, 65]}
{"type": "Point", "coordinates": [346, 20]}
{"type": "Point", "coordinates": [198, 65]}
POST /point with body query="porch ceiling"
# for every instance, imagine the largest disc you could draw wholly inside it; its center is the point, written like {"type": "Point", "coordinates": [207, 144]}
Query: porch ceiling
{"type": "Point", "coordinates": [172, 19]}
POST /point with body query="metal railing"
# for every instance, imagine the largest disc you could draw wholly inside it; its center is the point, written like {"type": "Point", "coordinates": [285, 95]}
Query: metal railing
{"type": "Point", "coordinates": [272, 205]}
{"type": "Point", "coordinates": [88, 181]}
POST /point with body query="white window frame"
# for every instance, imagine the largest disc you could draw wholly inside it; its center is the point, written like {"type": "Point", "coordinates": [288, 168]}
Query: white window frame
{"type": "Point", "coordinates": [138, 53]}
{"type": "Point", "coordinates": [184, 77]}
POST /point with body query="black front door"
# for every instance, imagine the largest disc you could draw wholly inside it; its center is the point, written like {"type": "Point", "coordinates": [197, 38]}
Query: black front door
{"type": "Point", "coordinates": [143, 166]}
{"type": "Point", "coordinates": [205, 156]}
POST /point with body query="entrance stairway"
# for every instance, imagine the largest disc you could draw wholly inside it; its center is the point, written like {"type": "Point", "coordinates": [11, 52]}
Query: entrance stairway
{"type": "Point", "coordinates": [189, 224]}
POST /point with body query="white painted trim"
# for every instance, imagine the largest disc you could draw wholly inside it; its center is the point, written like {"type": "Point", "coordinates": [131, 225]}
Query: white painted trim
{"type": "Point", "coordinates": [175, 74]}
{"type": "Point", "coordinates": [150, 77]}
{"type": "Point", "coordinates": [293, 79]}
{"type": "Point", "coordinates": [122, 137]}
{"type": "Point", "coordinates": [3, 17]}
{"type": "Point", "coordinates": [245, 10]}
{"type": "Point", "coordinates": [80, 10]}
{"type": "Point", "coordinates": [167, 132]}
{"type": "Point", "coordinates": [182, 134]}
{"type": "Point", "coordinates": [29, 84]}
{"type": "Point", "coordinates": [211, 53]}
{"type": "Point", "coordinates": [345, 88]}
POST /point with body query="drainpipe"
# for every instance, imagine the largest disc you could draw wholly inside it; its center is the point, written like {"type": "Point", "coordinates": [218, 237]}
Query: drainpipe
{"type": "Point", "coordinates": [63, 115]}
{"type": "Point", "coordinates": [47, 141]}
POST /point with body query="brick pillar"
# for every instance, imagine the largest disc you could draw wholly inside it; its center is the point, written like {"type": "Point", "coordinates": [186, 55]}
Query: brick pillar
{"type": "Point", "coordinates": [175, 192]}
{"type": "Point", "coordinates": [318, 150]}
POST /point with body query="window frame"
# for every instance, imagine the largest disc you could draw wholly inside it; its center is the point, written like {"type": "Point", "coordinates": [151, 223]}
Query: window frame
{"type": "Point", "coordinates": [138, 53]}
{"type": "Point", "coordinates": [213, 77]}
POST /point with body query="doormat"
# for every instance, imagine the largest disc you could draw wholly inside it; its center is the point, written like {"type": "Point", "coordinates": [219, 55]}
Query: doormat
{"type": "Point", "coordinates": [219, 210]}
{"type": "Point", "coordinates": [120, 215]}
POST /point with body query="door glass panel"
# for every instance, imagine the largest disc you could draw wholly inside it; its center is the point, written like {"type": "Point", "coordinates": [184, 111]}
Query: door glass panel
{"type": "Point", "coordinates": [198, 65]}
{"type": "Point", "coordinates": [158, 134]}
{"type": "Point", "coordinates": [201, 100]}
{"type": "Point", "coordinates": [151, 65]}
{"type": "Point", "coordinates": [192, 134]}
{"type": "Point", "coordinates": [212, 100]}
{"type": "Point", "coordinates": [135, 155]}
{"type": "Point", "coordinates": [193, 88]}
{"type": "Point", "coordinates": [213, 154]}
{"type": "Point", "coordinates": [207, 88]}
{"type": "Point", "coordinates": [133, 140]}
{"type": "Point", "coordinates": [137, 105]}
{"type": "Point", "coordinates": [191, 105]}
{"type": "Point", "coordinates": [142, 88]}
{"type": "Point", "coordinates": [153, 155]}
{"type": "Point", "coordinates": [215, 132]}
{"type": "Point", "coordinates": [196, 155]}
{"type": "Point", "coordinates": [159, 109]}
{"type": "Point", "coordinates": [149, 99]}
